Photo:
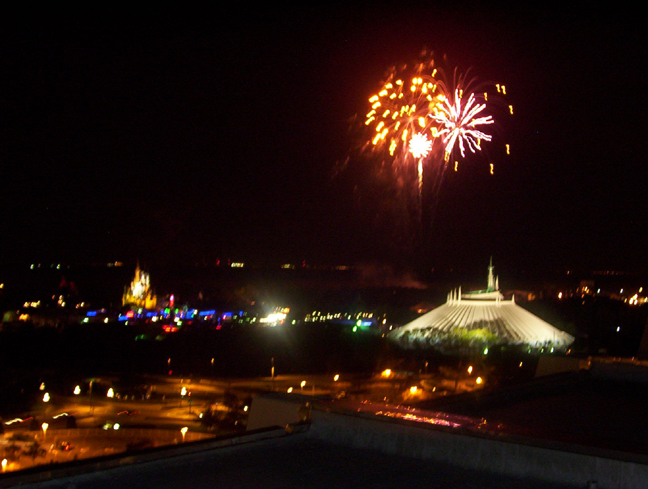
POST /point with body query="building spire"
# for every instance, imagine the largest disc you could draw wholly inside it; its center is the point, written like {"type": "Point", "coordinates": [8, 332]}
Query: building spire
{"type": "Point", "coordinates": [491, 278]}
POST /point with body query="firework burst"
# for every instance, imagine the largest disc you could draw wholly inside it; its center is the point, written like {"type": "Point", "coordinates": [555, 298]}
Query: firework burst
{"type": "Point", "coordinates": [458, 124]}
{"type": "Point", "coordinates": [416, 100]}
{"type": "Point", "coordinates": [401, 108]}
{"type": "Point", "coordinates": [418, 121]}
{"type": "Point", "coordinates": [419, 145]}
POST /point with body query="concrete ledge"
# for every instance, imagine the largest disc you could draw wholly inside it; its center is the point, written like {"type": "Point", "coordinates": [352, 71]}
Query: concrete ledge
{"type": "Point", "coordinates": [512, 456]}
{"type": "Point", "coordinates": [57, 471]}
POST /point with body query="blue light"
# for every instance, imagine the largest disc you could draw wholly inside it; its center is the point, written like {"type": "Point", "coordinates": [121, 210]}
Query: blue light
{"type": "Point", "coordinates": [91, 313]}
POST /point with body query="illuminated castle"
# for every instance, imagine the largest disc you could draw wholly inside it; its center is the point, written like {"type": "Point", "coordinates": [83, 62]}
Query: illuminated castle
{"type": "Point", "coordinates": [139, 293]}
{"type": "Point", "coordinates": [480, 318]}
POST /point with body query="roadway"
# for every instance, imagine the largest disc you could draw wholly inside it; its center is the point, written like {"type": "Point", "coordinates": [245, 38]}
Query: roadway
{"type": "Point", "coordinates": [176, 403]}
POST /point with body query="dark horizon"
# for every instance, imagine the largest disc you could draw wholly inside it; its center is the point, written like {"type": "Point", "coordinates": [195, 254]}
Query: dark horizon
{"type": "Point", "coordinates": [183, 138]}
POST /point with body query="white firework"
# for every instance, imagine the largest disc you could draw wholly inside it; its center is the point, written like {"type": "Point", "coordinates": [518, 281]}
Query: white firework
{"type": "Point", "coordinates": [458, 124]}
{"type": "Point", "coordinates": [419, 145]}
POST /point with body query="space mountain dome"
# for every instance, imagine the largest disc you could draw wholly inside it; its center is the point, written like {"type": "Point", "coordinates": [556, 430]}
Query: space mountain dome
{"type": "Point", "coordinates": [479, 318]}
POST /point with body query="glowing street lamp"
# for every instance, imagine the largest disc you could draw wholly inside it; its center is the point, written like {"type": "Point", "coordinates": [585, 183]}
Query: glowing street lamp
{"type": "Point", "coordinates": [77, 390]}
{"type": "Point", "coordinates": [4, 464]}
{"type": "Point", "coordinates": [303, 383]}
{"type": "Point", "coordinates": [44, 426]}
{"type": "Point", "coordinates": [272, 373]}
{"type": "Point", "coordinates": [336, 378]}
{"type": "Point", "coordinates": [46, 397]}
{"type": "Point", "coordinates": [184, 432]}
{"type": "Point", "coordinates": [110, 393]}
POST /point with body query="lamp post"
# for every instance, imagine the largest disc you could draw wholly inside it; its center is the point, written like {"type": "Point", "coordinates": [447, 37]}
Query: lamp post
{"type": "Point", "coordinates": [184, 432]}
{"type": "Point", "coordinates": [90, 394]}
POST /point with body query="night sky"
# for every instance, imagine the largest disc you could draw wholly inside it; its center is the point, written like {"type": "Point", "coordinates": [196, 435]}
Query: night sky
{"type": "Point", "coordinates": [192, 136]}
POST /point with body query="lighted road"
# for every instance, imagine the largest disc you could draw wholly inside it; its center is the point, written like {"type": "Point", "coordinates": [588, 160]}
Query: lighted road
{"type": "Point", "coordinates": [176, 403]}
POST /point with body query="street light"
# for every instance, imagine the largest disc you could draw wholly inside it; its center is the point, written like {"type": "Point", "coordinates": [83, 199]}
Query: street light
{"type": "Point", "coordinates": [77, 390]}
{"type": "Point", "coordinates": [44, 426]}
{"type": "Point", "coordinates": [303, 383]}
{"type": "Point", "coordinates": [110, 393]}
{"type": "Point", "coordinates": [90, 394]}
{"type": "Point", "coordinates": [272, 374]}
{"type": "Point", "coordinates": [46, 397]}
{"type": "Point", "coordinates": [184, 432]}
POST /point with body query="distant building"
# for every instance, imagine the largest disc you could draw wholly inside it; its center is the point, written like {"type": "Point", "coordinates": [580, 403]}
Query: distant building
{"type": "Point", "coordinates": [479, 318]}
{"type": "Point", "coordinates": [139, 294]}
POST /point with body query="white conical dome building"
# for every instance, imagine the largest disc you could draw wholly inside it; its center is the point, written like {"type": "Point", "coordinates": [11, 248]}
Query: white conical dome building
{"type": "Point", "coordinates": [482, 316]}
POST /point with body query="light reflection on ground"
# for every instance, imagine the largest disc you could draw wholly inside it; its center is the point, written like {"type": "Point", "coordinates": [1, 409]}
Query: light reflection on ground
{"type": "Point", "coordinates": [417, 415]}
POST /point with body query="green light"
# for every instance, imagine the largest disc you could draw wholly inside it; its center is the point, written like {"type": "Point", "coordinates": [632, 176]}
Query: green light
{"type": "Point", "coordinates": [355, 328]}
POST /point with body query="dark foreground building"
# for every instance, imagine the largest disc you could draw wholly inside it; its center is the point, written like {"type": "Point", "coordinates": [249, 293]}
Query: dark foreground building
{"type": "Point", "coordinates": [347, 445]}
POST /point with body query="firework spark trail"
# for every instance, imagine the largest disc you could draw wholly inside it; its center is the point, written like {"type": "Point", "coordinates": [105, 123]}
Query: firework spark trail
{"type": "Point", "coordinates": [419, 146]}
